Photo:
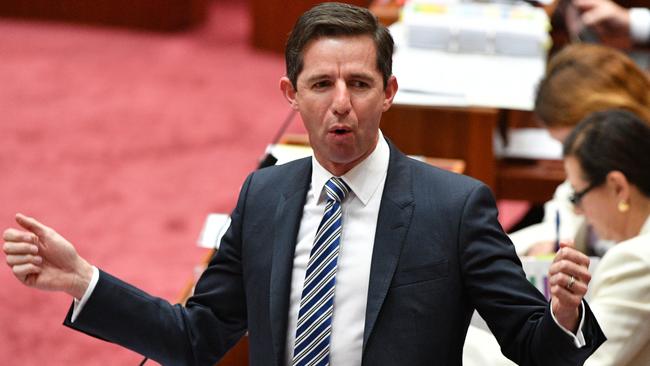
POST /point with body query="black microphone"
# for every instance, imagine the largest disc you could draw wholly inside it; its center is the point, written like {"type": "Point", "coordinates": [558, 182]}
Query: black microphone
{"type": "Point", "coordinates": [268, 159]}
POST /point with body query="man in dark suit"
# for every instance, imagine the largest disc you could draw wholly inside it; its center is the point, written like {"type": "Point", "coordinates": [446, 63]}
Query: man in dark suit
{"type": "Point", "coordinates": [404, 254]}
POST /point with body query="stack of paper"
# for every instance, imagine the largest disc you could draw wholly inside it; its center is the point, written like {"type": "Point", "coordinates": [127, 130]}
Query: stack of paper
{"type": "Point", "coordinates": [528, 143]}
{"type": "Point", "coordinates": [485, 28]}
{"type": "Point", "coordinates": [469, 54]}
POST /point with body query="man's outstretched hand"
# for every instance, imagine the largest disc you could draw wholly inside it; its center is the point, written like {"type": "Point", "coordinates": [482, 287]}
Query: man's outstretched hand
{"type": "Point", "coordinates": [41, 258]}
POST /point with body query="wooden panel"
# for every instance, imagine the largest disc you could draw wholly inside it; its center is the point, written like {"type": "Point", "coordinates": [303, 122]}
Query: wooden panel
{"type": "Point", "coordinates": [452, 133]}
{"type": "Point", "coordinates": [522, 119]}
{"type": "Point", "coordinates": [467, 134]}
{"type": "Point", "coordinates": [237, 356]}
{"type": "Point", "coordinates": [163, 15]}
{"type": "Point", "coordinates": [273, 20]}
{"type": "Point", "coordinates": [529, 180]}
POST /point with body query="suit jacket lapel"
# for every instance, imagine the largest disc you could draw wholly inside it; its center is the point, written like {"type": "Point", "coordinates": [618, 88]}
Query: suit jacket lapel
{"type": "Point", "coordinates": [286, 224]}
{"type": "Point", "coordinates": [395, 213]}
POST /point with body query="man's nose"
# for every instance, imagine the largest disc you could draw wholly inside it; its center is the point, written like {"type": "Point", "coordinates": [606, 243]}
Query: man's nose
{"type": "Point", "coordinates": [341, 104]}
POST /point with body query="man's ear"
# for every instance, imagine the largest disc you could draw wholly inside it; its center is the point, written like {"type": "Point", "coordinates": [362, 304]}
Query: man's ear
{"type": "Point", "coordinates": [389, 92]}
{"type": "Point", "coordinates": [289, 92]}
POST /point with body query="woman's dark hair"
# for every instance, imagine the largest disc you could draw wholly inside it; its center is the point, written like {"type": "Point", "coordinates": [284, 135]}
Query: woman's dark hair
{"type": "Point", "coordinates": [612, 140]}
{"type": "Point", "coordinates": [337, 20]}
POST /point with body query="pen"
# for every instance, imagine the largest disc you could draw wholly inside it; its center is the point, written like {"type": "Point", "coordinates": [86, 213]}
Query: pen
{"type": "Point", "coordinates": [557, 230]}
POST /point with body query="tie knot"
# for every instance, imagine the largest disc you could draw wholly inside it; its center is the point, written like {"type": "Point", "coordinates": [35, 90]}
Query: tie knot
{"type": "Point", "coordinates": [336, 189]}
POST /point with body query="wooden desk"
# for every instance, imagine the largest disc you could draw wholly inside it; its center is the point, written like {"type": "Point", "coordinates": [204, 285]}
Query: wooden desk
{"type": "Point", "coordinates": [528, 180]}
{"type": "Point", "coordinates": [447, 133]}
{"type": "Point", "coordinates": [467, 134]}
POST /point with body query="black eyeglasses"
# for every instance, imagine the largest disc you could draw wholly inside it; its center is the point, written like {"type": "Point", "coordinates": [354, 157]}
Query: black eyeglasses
{"type": "Point", "coordinates": [576, 197]}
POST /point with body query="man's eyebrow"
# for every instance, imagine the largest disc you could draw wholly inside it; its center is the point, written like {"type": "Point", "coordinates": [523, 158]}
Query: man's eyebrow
{"type": "Point", "coordinates": [361, 75]}
{"type": "Point", "coordinates": [317, 77]}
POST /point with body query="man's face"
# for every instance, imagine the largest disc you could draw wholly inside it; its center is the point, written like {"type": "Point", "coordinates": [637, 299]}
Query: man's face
{"type": "Point", "coordinates": [340, 96]}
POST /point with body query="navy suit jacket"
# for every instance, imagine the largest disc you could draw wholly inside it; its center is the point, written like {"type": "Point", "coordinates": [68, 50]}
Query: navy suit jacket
{"type": "Point", "coordinates": [439, 253]}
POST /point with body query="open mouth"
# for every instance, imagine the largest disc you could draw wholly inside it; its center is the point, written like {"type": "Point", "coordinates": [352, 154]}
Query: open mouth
{"type": "Point", "coordinates": [339, 130]}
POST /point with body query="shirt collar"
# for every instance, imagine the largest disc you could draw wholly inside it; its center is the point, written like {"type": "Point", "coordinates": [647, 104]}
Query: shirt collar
{"type": "Point", "coordinates": [364, 179]}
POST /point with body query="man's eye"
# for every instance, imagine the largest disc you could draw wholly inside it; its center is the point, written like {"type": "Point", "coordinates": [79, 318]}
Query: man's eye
{"type": "Point", "coordinates": [321, 85]}
{"type": "Point", "coordinates": [359, 84]}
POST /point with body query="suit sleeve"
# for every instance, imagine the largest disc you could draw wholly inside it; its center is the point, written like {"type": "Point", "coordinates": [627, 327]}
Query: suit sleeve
{"type": "Point", "coordinates": [517, 314]}
{"type": "Point", "coordinates": [200, 333]}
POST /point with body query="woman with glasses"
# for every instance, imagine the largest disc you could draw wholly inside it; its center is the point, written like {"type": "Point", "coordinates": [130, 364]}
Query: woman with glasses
{"type": "Point", "coordinates": [580, 79]}
{"type": "Point", "coordinates": [607, 161]}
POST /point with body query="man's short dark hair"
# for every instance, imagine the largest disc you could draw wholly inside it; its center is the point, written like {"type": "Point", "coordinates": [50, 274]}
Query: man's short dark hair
{"type": "Point", "coordinates": [335, 20]}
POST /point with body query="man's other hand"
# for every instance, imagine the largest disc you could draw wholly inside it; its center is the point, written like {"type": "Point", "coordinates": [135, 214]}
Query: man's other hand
{"type": "Point", "coordinates": [568, 277]}
{"type": "Point", "coordinates": [41, 258]}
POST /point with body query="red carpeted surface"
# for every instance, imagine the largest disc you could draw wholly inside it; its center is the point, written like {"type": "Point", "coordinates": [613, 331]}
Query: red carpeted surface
{"type": "Point", "coordinates": [123, 141]}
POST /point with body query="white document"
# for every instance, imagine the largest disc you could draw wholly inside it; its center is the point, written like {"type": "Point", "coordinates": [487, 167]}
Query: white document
{"type": "Point", "coordinates": [445, 78]}
{"type": "Point", "coordinates": [431, 77]}
{"type": "Point", "coordinates": [528, 143]}
{"type": "Point", "coordinates": [214, 228]}
{"type": "Point", "coordinates": [286, 153]}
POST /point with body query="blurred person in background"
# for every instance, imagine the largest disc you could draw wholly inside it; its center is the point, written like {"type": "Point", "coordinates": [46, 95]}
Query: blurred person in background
{"type": "Point", "coordinates": [607, 160]}
{"type": "Point", "coordinates": [606, 19]}
{"type": "Point", "coordinates": [580, 79]}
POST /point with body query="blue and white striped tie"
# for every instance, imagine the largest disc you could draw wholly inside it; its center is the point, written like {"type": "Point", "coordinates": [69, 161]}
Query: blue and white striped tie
{"type": "Point", "coordinates": [317, 303]}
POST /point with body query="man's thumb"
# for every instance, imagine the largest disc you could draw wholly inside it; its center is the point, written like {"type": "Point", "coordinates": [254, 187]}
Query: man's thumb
{"type": "Point", "coordinates": [31, 224]}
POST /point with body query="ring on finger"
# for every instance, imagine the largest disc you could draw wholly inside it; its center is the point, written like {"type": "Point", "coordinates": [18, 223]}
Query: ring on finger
{"type": "Point", "coordinates": [572, 280]}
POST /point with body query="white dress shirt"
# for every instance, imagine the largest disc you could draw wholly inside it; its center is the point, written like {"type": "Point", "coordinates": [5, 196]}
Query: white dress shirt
{"type": "Point", "coordinates": [359, 223]}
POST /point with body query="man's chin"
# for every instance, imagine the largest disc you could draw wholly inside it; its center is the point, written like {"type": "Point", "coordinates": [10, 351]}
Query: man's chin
{"type": "Point", "coordinates": [339, 162]}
